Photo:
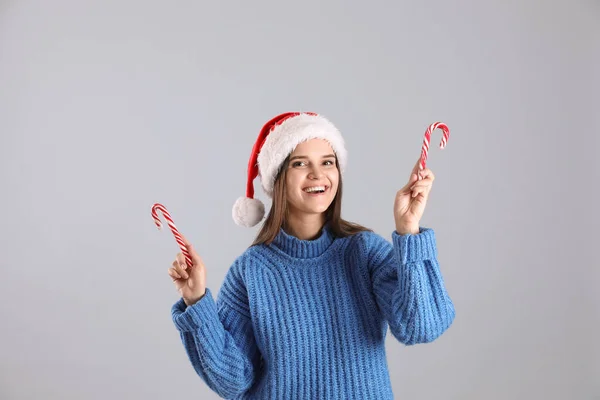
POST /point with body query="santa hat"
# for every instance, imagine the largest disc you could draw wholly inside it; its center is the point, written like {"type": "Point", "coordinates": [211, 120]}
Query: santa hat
{"type": "Point", "coordinates": [277, 139]}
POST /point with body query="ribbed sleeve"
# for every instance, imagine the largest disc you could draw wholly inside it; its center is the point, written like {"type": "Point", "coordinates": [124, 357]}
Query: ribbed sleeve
{"type": "Point", "coordinates": [219, 339]}
{"type": "Point", "coordinates": [415, 248]}
{"type": "Point", "coordinates": [409, 288]}
{"type": "Point", "coordinates": [202, 314]}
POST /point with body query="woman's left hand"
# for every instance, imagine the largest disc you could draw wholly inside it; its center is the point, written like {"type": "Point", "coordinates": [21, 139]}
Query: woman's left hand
{"type": "Point", "coordinates": [411, 200]}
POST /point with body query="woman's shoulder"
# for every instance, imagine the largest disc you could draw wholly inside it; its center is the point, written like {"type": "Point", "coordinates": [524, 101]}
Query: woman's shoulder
{"type": "Point", "coordinates": [368, 237]}
{"type": "Point", "coordinates": [249, 255]}
{"type": "Point", "coordinates": [366, 242]}
{"type": "Point", "coordinates": [236, 273]}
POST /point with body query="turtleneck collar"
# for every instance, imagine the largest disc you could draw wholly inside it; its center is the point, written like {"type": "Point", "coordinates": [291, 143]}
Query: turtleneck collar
{"type": "Point", "coordinates": [298, 248]}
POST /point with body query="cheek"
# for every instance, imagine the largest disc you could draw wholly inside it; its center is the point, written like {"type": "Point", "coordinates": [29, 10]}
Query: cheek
{"type": "Point", "coordinates": [291, 183]}
{"type": "Point", "coordinates": [292, 186]}
{"type": "Point", "coordinates": [334, 179]}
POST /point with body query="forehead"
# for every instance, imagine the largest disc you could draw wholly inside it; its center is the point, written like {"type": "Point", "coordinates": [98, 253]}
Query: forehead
{"type": "Point", "coordinates": [313, 146]}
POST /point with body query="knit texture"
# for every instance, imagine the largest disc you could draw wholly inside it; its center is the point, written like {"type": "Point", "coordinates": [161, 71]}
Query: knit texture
{"type": "Point", "coordinates": [307, 319]}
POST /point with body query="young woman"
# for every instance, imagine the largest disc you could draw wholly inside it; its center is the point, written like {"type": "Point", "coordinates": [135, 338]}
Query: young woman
{"type": "Point", "coordinates": [303, 313]}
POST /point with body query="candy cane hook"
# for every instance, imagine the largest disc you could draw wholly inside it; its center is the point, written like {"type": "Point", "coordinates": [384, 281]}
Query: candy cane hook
{"type": "Point", "coordinates": [427, 138]}
{"type": "Point", "coordinates": [159, 207]}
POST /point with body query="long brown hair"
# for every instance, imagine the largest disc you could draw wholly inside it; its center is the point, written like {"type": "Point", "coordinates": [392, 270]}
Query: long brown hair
{"type": "Point", "coordinates": [277, 214]}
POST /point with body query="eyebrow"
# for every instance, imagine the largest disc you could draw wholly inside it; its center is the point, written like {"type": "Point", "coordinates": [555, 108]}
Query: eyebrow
{"type": "Point", "coordinates": [326, 156]}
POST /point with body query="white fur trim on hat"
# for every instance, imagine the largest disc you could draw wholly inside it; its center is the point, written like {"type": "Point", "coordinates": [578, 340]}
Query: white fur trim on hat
{"type": "Point", "coordinates": [284, 138]}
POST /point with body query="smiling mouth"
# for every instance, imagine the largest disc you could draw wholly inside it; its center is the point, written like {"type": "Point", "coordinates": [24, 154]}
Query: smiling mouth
{"type": "Point", "coordinates": [316, 190]}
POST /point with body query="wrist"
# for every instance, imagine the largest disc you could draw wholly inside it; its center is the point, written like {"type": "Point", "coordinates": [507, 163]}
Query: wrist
{"type": "Point", "coordinates": [407, 229]}
{"type": "Point", "coordinates": [191, 301]}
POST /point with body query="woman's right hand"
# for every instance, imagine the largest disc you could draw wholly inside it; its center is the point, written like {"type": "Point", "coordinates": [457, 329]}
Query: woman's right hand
{"type": "Point", "coordinates": [190, 282]}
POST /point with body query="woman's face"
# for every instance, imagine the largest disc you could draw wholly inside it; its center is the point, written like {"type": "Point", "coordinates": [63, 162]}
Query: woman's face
{"type": "Point", "coordinates": [312, 177]}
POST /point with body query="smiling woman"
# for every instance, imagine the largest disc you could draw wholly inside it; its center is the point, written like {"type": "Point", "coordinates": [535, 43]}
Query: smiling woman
{"type": "Point", "coordinates": [304, 311]}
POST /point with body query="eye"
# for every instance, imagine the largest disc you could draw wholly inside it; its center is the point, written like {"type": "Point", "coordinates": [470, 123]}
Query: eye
{"type": "Point", "coordinates": [297, 163]}
{"type": "Point", "coordinates": [329, 162]}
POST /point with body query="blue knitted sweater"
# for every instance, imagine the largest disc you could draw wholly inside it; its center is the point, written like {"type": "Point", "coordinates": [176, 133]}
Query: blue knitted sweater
{"type": "Point", "coordinates": [307, 319]}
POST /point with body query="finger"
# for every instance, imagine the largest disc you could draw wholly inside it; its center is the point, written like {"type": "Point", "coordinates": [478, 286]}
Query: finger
{"type": "Point", "coordinates": [426, 173]}
{"type": "Point", "coordinates": [414, 178]}
{"type": "Point", "coordinates": [411, 182]}
{"type": "Point", "coordinates": [423, 189]}
{"type": "Point", "coordinates": [173, 274]}
{"type": "Point", "coordinates": [429, 174]}
{"type": "Point", "coordinates": [422, 184]}
{"type": "Point", "coordinates": [179, 269]}
{"type": "Point", "coordinates": [428, 181]}
{"type": "Point", "coordinates": [420, 191]}
{"type": "Point", "coordinates": [191, 250]}
{"type": "Point", "coordinates": [181, 259]}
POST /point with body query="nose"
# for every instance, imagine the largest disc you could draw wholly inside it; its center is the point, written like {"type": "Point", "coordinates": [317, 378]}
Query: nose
{"type": "Point", "coordinates": [315, 173]}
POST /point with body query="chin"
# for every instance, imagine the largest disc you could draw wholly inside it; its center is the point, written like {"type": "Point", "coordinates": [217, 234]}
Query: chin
{"type": "Point", "coordinates": [320, 209]}
{"type": "Point", "coordinates": [311, 205]}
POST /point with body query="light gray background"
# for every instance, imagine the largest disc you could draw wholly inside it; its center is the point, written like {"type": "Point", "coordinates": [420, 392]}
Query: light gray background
{"type": "Point", "coordinates": [109, 106]}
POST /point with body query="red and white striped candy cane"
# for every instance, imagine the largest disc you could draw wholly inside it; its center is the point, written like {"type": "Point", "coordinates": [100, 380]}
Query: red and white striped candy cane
{"type": "Point", "coordinates": [427, 138]}
{"type": "Point", "coordinates": [159, 207]}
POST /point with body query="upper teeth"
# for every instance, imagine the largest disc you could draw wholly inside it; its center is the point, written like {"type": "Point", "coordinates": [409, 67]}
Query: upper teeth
{"type": "Point", "coordinates": [315, 189]}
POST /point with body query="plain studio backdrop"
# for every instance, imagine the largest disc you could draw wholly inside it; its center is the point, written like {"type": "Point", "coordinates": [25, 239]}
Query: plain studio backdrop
{"type": "Point", "coordinates": [109, 106]}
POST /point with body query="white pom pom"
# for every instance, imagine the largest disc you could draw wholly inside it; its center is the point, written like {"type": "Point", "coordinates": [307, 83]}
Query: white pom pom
{"type": "Point", "coordinates": [248, 212]}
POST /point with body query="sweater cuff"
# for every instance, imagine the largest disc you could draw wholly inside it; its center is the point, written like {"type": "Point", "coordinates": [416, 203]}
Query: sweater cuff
{"type": "Point", "coordinates": [190, 318]}
{"type": "Point", "coordinates": [415, 248]}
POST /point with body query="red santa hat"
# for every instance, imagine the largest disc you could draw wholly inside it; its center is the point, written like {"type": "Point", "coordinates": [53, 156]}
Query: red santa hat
{"type": "Point", "coordinates": [277, 139]}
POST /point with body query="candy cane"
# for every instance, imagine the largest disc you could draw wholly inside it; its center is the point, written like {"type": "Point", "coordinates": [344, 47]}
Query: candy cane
{"type": "Point", "coordinates": [427, 138]}
{"type": "Point", "coordinates": [159, 207]}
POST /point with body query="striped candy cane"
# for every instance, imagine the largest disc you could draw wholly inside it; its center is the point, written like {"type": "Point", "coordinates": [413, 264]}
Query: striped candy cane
{"type": "Point", "coordinates": [159, 207]}
{"type": "Point", "coordinates": [427, 138]}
